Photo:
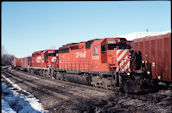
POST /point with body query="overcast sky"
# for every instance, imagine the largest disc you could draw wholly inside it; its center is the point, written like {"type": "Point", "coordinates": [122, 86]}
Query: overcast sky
{"type": "Point", "coordinates": [32, 26]}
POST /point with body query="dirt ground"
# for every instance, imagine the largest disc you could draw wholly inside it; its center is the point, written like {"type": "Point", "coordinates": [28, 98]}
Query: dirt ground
{"type": "Point", "coordinates": [66, 97]}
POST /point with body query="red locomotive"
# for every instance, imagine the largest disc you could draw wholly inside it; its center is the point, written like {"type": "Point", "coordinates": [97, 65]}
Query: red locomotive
{"type": "Point", "coordinates": [101, 55]}
{"type": "Point", "coordinates": [105, 63]}
{"type": "Point", "coordinates": [44, 60]}
{"type": "Point", "coordinates": [101, 63]}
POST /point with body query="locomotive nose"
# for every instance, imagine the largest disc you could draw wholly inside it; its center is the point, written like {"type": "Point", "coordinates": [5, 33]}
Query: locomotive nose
{"type": "Point", "coordinates": [135, 59]}
{"type": "Point", "coordinates": [119, 60]}
{"type": "Point", "coordinates": [123, 60]}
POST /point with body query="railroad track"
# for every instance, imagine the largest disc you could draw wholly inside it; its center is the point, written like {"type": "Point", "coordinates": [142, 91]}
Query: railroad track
{"type": "Point", "coordinates": [53, 83]}
{"type": "Point", "coordinates": [67, 91]}
{"type": "Point", "coordinates": [154, 96]}
{"type": "Point", "coordinates": [59, 81]}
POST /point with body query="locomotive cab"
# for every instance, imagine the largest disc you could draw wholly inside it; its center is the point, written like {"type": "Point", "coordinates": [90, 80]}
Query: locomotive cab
{"type": "Point", "coordinates": [115, 52]}
{"type": "Point", "coordinates": [45, 59]}
{"type": "Point", "coordinates": [125, 63]}
{"type": "Point", "coordinates": [52, 58]}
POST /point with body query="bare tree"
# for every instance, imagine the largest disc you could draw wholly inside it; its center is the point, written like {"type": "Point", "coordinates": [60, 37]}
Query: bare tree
{"type": "Point", "coordinates": [3, 51]}
{"type": "Point", "coordinates": [6, 58]}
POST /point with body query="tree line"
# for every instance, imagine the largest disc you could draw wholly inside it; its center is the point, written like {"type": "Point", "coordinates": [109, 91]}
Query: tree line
{"type": "Point", "coordinates": [6, 58]}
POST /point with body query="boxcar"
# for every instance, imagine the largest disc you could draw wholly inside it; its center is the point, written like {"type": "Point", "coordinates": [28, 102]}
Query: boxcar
{"type": "Point", "coordinates": [26, 63]}
{"type": "Point", "coordinates": [156, 53]}
{"type": "Point", "coordinates": [16, 62]}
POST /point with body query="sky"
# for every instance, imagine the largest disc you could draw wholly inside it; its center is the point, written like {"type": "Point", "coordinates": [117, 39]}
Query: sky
{"type": "Point", "coordinates": [32, 26]}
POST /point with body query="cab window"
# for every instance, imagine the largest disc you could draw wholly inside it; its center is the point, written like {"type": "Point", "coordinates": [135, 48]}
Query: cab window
{"type": "Point", "coordinates": [52, 54]}
{"type": "Point", "coordinates": [118, 46]}
{"type": "Point", "coordinates": [112, 46]}
{"type": "Point", "coordinates": [46, 55]}
{"type": "Point", "coordinates": [95, 51]}
{"type": "Point", "coordinates": [103, 47]}
{"type": "Point", "coordinates": [57, 52]}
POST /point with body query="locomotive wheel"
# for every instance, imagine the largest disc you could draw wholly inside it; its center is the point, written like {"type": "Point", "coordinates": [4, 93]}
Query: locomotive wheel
{"type": "Point", "coordinates": [105, 86]}
{"type": "Point", "coordinates": [105, 83]}
{"type": "Point", "coordinates": [45, 73]}
{"type": "Point", "coordinates": [59, 76]}
{"type": "Point", "coordinates": [95, 81]}
{"type": "Point", "coordinates": [31, 71]}
{"type": "Point", "coordinates": [52, 74]}
{"type": "Point", "coordinates": [28, 71]}
{"type": "Point", "coordinates": [41, 72]}
{"type": "Point", "coordinates": [108, 83]}
{"type": "Point", "coordinates": [55, 73]}
{"type": "Point", "coordinates": [48, 73]}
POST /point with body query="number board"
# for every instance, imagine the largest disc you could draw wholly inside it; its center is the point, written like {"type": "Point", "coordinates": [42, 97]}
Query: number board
{"type": "Point", "coordinates": [111, 41]}
{"type": "Point", "coordinates": [50, 51]}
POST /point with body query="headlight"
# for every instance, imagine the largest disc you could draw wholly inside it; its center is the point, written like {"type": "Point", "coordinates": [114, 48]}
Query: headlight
{"type": "Point", "coordinates": [159, 77]}
{"type": "Point", "coordinates": [128, 74]}
{"type": "Point", "coordinates": [148, 72]}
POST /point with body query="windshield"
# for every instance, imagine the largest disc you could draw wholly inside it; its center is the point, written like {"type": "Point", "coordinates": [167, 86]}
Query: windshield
{"type": "Point", "coordinates": [118, 46]}
{"type": "Point", "coordinates": [52, 54]}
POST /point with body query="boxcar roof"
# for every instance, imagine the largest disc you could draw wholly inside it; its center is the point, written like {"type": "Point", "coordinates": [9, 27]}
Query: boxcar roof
{"type": "Point", "coordinates": [153, 37]}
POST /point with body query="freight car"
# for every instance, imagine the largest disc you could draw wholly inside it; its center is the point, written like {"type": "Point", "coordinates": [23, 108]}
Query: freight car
{"type": "Point", "coordinates": [16, 63]}
{"type": "Point", "coordinates": [156, 55]}
{"type": "Point", "coordinates": [26, 62]}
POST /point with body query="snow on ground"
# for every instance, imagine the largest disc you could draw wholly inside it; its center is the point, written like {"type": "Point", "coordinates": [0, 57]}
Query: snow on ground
{"type": "Point", "coordinates": [5, 107]}
{"type": "Point", "coordinates": [13, 102]}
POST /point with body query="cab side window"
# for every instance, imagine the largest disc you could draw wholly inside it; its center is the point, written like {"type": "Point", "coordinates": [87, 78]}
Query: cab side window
{"type": "Point", "coordinates": [52, 54]}
{"type": "Point", "coordinates": [103, 47]}
{"type": "Point", "coordinates": [112, 46]}
{"type": "Point", "coordinates": [95, 51]}
{"type": "Point", "coordinates": [46, 55]}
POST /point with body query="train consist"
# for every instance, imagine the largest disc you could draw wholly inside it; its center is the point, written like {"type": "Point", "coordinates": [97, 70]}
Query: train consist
{"type": "Point", "coordinates": [106, 63]}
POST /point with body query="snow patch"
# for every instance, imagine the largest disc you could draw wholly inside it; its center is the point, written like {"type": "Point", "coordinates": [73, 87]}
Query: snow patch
{"type": "Point", "coordinates": [135, 35]}
{"type": "Point", "coordinates": [5, 107]}
{"type": "Point", "coordinates": [18, 102]}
